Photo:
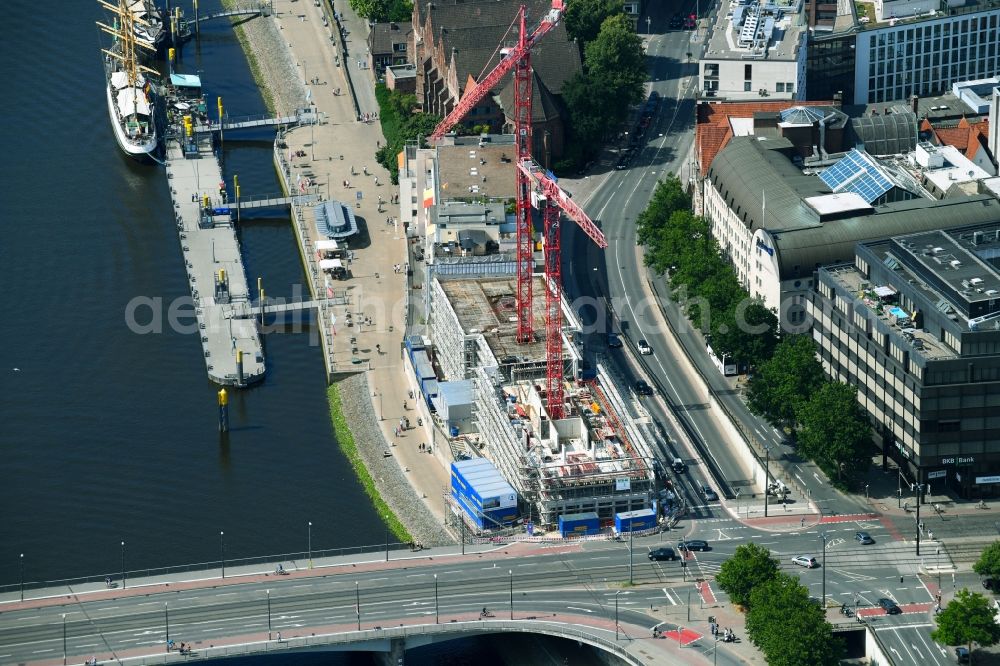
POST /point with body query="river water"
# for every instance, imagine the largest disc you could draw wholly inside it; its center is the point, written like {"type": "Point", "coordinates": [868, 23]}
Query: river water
{"type": "Point", "coordinates": [107, 435]}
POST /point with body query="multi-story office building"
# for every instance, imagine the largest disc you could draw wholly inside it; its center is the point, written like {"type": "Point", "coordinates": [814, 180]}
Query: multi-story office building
{"type": "Point", "coordinates": [757, 49]}
{"type": "Point", "coordinates": [914, 323]}
{"type": "Point", "coordinates": [904, 47]}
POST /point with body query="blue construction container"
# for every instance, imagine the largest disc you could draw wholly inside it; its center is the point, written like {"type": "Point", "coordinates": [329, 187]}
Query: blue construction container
{"type": "Point", "coordinates": [577, 524]}
{"type": "Point", "coordinates": [627, 521]}
{"type": "Point", "coordinates": [483, 493]}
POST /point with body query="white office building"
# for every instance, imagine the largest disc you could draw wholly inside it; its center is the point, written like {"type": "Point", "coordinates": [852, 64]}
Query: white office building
{"type": "Point", "coordinates": [757, 49]}
{"type": "Point", "coordinates": [918, 49]}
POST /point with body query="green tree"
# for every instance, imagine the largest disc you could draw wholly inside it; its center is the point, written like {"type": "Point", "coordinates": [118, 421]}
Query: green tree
{"type": "Point", "coordinates": [834, 430]}
{"type": "Point", "coordinates": [966, 620]}
{"type": "Point", "coordinates": [401, 123]}
{"type": "Point", "coordinates": [381, 11]}
{"type": "Point", "coordinates": [589, 114]}
{"type": "Point", "coordinates": [749, 567]}
{"type": "Point", "coordinates": [988, 564]}
{"type": "Point", "coordinates": [668, 197]}
{"type": "Point", "coordinates": [584, 17]}
{"type": "Point", "coordinates": [783, 383]}
{"type": "Point", "coordinates": [788, 627]}
{"type": "Point", "coordinates": [746, 331]}
{"type": "Point", "coordinates": [616, 63]}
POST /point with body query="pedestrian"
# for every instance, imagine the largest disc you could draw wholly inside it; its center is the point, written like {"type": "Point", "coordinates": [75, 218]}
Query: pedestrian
{"type": "Point", "coordinates": [802, 522]}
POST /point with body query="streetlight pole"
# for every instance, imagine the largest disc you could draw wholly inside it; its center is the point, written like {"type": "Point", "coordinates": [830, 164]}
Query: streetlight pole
{"type": "Point", "coordinates": [648, 29]}
{"type": "Point", "coordinates": [437, 616]}
{"type": "Point", "coordinates": [166, 623]}
{"type": "Point", "coordinates": [123, 565]}
{"type": "Point", "coordinates": [824, 537]}
{"type": "Point", "coordinates": [310, 544]}
{"type": "Point", "coordinates": [463, 534]}
{"type": "Point", "coordinates": [64, 638]}
{"type": "Point", "coordinates": [268, 614]}
{"type": "Point", "coordinates": [919, 487]}
{"type": "Point", "coordinates": [357, 602]}
{"type": "Point", "coordinates": [616, 613]}
{"type": "Point", "coordinates": [767, 474]}
{"type": "Point", "coordinates": [631, 534]}
{"type": "Point", "coordinates": [22, 576]}
{"type": "Point", "coordinates": [222, 552]}
{"type": "Point", "coordinates": [386, 538]}
{"type": "Point", "coordinates": [510, 572]}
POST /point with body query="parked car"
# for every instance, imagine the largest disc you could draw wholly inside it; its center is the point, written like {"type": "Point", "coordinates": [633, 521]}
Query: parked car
{"type": "Point", "coordinates": [707, 492]}
{"type": "Point", "coordinates": [991, 584]}
{"type": "Point", "coordinates": [962, 655]}
{"type": "Point", "coordinates": [694, 544]}
{"type": "Point", "coordinates": [623, 161]}
{"type": "Point", "coordinates": [644, 348]}
{"type": "Point", "coordinates": [642, 388]}
{"type": "Point", "coordinates": [805, 561]}
{"type": "Point", "coordinates": [889, 606]}
{"type": "Point", "coordinates": [864, 538]}
{"type": "Point", "coordinates": [676, 22]}
{"type": "Point", "coordinates": [662, 554]}
{"type": "Point", "coordinates": [614, 341]}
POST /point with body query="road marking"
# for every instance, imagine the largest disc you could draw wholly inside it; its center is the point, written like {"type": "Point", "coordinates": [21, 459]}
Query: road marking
{"type": "Point", "coordinates": [801, 480]}
{"type": "Point", "coordinates": [816, 476]}
{"type": "Point", "coordinates": [41, 651]}
{"type": "Point", "coordinates": [585, 610]}
{"type": "Point", "coordinates": [669, 598]}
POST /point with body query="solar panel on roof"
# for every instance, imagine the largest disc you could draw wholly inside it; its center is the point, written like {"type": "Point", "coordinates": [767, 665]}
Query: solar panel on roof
{"type": "Point", "coordinates": [857, 173]}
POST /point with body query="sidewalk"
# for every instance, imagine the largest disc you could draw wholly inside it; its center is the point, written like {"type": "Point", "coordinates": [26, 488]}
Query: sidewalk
{"type": "Point", "coordinates": [340, 160]}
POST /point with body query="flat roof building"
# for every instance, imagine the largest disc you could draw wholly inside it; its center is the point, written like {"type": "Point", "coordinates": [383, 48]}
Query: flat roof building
{"type": "Point", "coordinates": [914, 323]}
{"type": "Point", "coordinates": [756, 49]}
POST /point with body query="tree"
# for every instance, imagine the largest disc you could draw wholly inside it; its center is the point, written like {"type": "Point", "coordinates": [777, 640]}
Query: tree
{"type": "Point", "coordinates": [381, 11]}
{"type": "Point", "coordinates": [749, 567]}
{"type": "Point", "coordinates": [787, 380]}
{"type": "Point", "coordinates": [615, 62]}
{"type": "Point", "coordinates": [988, 564]}
{"type": "Point", "coordinates": [401, 123]}
{"type": "Point", "coordinates": [668, 197]}
{"type": "Point", "coordinates": [788, 627]}
{"type": "Point", "coordinates": [584, 17]}
{"type": "Point", "coordinates": [745, 331]}
{"type": "Point", "coordinates": [834, 430]}
{"type": "Point", "coordinates": [966, 620]}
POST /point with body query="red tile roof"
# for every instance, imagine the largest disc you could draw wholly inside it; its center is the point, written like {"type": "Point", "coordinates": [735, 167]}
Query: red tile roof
{"type": "Point", "coordinates": [713, 130]}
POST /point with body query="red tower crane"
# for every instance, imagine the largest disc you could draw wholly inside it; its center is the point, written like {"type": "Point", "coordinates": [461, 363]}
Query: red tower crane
{"type": "Point", "coordinates": [532, 178]}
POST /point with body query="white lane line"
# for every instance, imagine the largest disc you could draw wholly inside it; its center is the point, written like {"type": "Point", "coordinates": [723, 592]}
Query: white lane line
{"type": "Point", "coordinates": [41, 651]}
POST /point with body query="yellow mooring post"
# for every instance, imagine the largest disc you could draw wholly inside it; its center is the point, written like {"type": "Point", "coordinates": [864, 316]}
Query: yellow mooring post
{"type": "Point", "coordinates": [223, 411]}
{"type": "Point", "coordinates": [239, 366]}
{"type": "Point", "coordinates": [222, 142]}
{"type": "Point", "coordinates": [261, 306]}
{"type": "Point", "coordinates": [197, 23]}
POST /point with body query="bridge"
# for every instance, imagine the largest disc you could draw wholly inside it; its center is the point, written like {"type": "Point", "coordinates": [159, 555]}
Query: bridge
{"type": "Point", "coordinates": [363, 602]}
{"type": "Point", "coordinates": [273, 202]}
{"type": "Point", "coordinates": [244, 9]}
{"type": "Point", "coordinates": [302, 116]}
{"type": "Point", "coordinates": [246, 310]}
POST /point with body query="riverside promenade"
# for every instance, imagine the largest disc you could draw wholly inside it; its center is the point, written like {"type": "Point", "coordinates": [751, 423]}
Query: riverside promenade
{"type": "Point", "coordinates": [364, 321]}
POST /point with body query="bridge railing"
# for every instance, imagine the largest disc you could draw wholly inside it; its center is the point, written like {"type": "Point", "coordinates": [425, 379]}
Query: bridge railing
{"type": "Point", "coordinates": [377, 639]}
{"type": "Point", "coordinates": [291, 562]}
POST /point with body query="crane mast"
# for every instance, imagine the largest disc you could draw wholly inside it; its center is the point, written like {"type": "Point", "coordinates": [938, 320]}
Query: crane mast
{"type": "Point", "coordinates": [532, 179]}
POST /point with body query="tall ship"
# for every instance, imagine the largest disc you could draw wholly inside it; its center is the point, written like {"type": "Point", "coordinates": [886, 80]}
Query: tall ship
{"type": "Point", "coordinates": [129, 92]}
{"type": "Point", "coordinates": [148, 23]}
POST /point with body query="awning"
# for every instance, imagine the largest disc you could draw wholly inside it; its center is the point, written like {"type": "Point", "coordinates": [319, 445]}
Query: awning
{"type": "Point", "coordinates": [185, 80]}
{"type": "Point", "coordinates": [330, 264]}
{"type": "Point", "coordinates": [327, 245]}
{"type": "Point", "coordinates": [884, 292]}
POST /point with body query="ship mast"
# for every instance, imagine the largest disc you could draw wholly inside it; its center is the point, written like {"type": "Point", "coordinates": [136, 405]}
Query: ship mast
{"type": "Point", "coordinates": [124, 34]}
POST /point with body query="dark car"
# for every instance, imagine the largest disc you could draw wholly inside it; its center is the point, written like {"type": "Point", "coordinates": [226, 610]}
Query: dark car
{"type": "Point", "coordinates": [642, 388]}
{"type": "Point", "coordinates": [676, 22]}
{"type": "Point", "coordinates": [614, 341]}
{"type": "Point", "coordinates": [962, 655]}
{"type": "Point", "coordinates": [864, 538]}
{"type": "Point", "coordinates": [991, 584]}
{"type": "Point", "coordinates": [623, 162]}
{"type": "Point", "coordinates": [662, 554]}
{"type": "Point", "coordinates": [694, 544]}
{"type": "Point", "coordinates": [653, 95]}
{"type": "Point", "coordinates": [889, 606]}
{"type": "Point", "coordinates": [678, 466]}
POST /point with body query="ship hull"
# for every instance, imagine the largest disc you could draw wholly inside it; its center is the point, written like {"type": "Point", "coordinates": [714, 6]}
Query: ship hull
{"type": "Point", "coordinates": [141, 151]}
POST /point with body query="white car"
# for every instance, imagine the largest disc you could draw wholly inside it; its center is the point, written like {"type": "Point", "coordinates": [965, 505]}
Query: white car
{"type": "Point", "coordinates": [805, 561]}
{"type": "Point", "coordinates": [644, 347]}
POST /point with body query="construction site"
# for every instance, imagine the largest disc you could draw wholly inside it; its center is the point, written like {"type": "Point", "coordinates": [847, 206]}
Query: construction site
{"type": "Point", "coordinates": [595, 458]}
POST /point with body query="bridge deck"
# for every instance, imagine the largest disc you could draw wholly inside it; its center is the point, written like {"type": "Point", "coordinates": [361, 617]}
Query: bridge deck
{"type": "Point", "coordinates": [209, 244]}
{"type": "Point", "coordinates": [273, 202]}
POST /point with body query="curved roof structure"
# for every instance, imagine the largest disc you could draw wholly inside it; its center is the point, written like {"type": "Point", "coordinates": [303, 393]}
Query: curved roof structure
{"type": "Point", "coordinates": [886, 134]}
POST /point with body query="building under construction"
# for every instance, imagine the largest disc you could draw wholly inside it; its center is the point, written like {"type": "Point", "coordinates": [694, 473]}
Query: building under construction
{"type": "Point", "coordinates": [596, 458]}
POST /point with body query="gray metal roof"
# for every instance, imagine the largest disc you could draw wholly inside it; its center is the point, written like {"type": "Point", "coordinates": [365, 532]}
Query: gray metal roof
{"type": "Point", "coordinates": [833, 242]}
{"type": "Point", "coordinates": [754, 174]}
{"type": "Point", "coordinates": [886, 134]}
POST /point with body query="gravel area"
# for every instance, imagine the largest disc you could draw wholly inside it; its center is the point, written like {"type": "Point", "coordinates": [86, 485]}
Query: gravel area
{"type": "Point", "coordinates": [274, 66]}
{"type": "Point", "coordinates": [390, 479]}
